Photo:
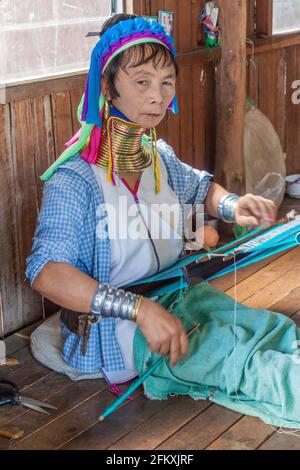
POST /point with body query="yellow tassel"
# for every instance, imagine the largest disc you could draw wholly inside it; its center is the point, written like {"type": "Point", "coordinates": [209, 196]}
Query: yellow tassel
{"type": "Point", "coordinates": [109, 167]}
{"type": "Point", "coordinates": [156, 165]}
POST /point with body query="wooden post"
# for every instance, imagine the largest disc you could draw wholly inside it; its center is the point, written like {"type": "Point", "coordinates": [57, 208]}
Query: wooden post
{"type": "Point", "coordinates": [264, 18]}
{"type": "Point", "coordinates": [230, 96]}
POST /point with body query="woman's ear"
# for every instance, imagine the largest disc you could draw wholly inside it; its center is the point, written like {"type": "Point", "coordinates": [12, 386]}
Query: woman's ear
{"type": "Point", "coordinates": [105, 89]}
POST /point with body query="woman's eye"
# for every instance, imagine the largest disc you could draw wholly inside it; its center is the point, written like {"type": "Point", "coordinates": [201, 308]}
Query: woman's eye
{"type": "Point", "coordinates": [168, 83]}
{"type": "Point", "coordinates": [142, 82]}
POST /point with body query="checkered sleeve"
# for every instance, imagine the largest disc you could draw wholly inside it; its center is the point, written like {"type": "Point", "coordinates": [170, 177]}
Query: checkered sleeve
{"type": "Point", "coordinates": [60, 222]}
{"type": "Point", "coordinates": [190, 184]}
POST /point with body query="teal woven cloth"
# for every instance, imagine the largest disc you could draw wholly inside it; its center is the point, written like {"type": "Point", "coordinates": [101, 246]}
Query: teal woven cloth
{"type": "Point", "coordinates": [242, 358]}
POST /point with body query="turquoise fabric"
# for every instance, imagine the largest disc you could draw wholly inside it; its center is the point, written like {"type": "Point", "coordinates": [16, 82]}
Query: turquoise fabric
{"type": "Point", "coordinates": [244, 359]}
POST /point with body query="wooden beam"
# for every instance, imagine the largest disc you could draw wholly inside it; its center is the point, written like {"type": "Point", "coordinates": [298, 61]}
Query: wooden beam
{"type": "Point", "coordinates": [264, 18]}
{"type": "Point", "coordinates": [31, 89]}
{"type": "Point", "coordinates": [230, 96]}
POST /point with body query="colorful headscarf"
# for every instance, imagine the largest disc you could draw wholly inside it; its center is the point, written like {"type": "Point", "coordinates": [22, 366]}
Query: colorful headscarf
{"type": "Point", "coordinates": [115, 40]}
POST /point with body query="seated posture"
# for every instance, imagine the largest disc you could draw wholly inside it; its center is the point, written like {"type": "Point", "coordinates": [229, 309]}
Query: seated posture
{"type": "Point", "coordinates": [103, 201]}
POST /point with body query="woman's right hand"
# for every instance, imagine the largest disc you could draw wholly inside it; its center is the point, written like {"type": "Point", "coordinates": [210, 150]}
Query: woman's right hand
{"type": "Point", "coordinates": [164, 331]}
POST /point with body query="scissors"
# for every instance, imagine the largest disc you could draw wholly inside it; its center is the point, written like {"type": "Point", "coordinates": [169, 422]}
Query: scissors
{"type": "Point", "coordinates": [10, 393]}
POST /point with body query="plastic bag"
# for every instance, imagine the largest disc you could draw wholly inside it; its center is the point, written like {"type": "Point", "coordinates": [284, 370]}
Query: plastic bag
{"type": "Point", "coordinates": [272, 187]}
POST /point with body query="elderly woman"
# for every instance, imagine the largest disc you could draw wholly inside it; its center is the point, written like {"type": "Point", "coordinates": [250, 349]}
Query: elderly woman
{"type": "Point", "coordinates": [84, 251]}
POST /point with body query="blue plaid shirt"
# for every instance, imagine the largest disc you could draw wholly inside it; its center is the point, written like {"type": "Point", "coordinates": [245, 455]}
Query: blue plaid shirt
{"type": "Point", "coordinates": [66, 232]}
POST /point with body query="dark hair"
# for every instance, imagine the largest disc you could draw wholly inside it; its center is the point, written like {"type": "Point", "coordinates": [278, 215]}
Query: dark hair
{"type": "Point", "coordinates": [135, 55]}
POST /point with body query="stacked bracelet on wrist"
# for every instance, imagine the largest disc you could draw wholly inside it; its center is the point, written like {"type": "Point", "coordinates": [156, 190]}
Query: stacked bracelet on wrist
{"type": "Point", "coordinates": [227, 206]}
{"type": "Point", "coordinates": [112, 302]}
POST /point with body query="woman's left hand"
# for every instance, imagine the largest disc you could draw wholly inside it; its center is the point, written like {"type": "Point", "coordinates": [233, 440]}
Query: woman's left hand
{"type": "Point", "coordinates": [254, 211]}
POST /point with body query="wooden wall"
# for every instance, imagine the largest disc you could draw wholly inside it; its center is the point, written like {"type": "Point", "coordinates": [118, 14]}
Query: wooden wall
{"type": "Point", "coordinates": [39, 118]}
{"type": "Point", "coordinates": [270, 80]}
{"type": "Point", "coordinates": [34, 125]}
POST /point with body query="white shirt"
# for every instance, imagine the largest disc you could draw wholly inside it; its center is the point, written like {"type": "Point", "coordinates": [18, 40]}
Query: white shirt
{"type": "Point", "coordinates": [144, 240]}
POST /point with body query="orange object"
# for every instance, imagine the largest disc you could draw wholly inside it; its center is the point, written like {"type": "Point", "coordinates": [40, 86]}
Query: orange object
{"type": "Point", "coordinates": [207, 236]}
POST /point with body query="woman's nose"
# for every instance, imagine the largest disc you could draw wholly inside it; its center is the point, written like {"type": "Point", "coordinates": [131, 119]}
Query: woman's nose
{"type": "Point", "coordinates": [156, 95]}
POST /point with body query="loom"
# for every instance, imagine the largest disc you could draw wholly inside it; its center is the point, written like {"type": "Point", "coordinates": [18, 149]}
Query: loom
{"type": "Point", "coordinates": [254, 247]}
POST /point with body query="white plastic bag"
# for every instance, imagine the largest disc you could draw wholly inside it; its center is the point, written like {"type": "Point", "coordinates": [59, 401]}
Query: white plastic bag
{"type": "Point", "coordinates": [271, 186]}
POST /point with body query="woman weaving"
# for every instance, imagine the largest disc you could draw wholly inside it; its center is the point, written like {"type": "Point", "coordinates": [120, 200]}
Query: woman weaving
{"type": "Point", "coordinates": [78, 263]}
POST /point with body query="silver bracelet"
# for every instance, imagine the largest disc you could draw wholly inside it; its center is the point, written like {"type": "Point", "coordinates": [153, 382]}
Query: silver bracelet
{"type": "Point", "coordinates": [112, 302]}
{"type": "Point", "coordinates": [227, 206]}
{"type": "Point", "coordinates": [98, 299]}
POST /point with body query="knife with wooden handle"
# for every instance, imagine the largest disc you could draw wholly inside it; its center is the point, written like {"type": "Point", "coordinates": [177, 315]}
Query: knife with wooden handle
{"type": "Point", "coordinates": [9, 362]}
{"type": "Point", "coordinates": [11, 432]}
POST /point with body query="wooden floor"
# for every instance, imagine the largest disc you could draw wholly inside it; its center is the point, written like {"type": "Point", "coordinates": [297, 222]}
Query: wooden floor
{"type": "Point", "coordinates": [178, 423]}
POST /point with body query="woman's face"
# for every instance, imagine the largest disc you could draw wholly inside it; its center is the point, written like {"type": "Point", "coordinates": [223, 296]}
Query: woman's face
{"type": "Point", "coordinates": [145, 92]}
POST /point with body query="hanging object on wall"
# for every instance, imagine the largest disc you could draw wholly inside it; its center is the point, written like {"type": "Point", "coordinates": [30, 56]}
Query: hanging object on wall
{"type": "Point", "coordinates": [209, 17]}
{"type": "Point", "coordinates": [166, 18]}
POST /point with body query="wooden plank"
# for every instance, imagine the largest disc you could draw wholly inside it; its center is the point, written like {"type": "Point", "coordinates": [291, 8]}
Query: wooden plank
{"type": "Point", "coordinates": [15, 343]}
{"type": "Point", "coordinates": [24, 357]}
{"type": "Point", "coordinates": [252, 78]}
{"type": "Point", "coordinates": [75, 98]}
{"type": "Point", "coordinates": [10, 285]}
{"type": "Point", "coordinates": [68, 425]}
{"type": "Point", "coordinates": [275, 290]}
{"type": "Point", "coordinates": [184, 17]}
{"type": "Point", "coordinates": [53, 85]}
{"type": "Point", "coordinates": [264, 17]}
{"type": "Point", "coordinates": [293, 112]}
{"type": "Point", "coordinates": [62, 120]}
{"type": "Point", "coordinates": [17, 346]}
{"type": "Point", "coordinates": [266, 276]}
{"type": "Point", "coordinates": [197, 33]}
{"type": "Point", "coordinates": [44, 154]}
{"type": "Point", "coordinates": [30, 308]}
{"type": "Point", "coordinates": [27, 379]}
{"type": "Point", "coordinates": [276, 42]}
{"type": "Point", "coordinates": [296, 318]}
{"type": "Point", "coordinates": [154, 6]}
{"type": "Point", "coordinates": [247, 434]}
{"type": "Point", "coordinates": [162, 425]}
{"type": "Point", "coordinates": [102, 435]}
{"type": "Point", "coordinates": [271, 85]}
{"type": "Point", "coordinates": [202, 430]}
{"type": "Point", "coordinates": [250, 18]}
{"type": "Point", "coordinates": [282, 441]}
{"type": "Point", "coordinates": [77, 405]}
{"type": "Point", "coordinates": [185, 99]}
{"type": "Point", "coordinates": [198, 118]}
{"type": "Point", "coordinates": [138, 7]}
{"type": "Point", "coordinates": [224, 283]}
{"type": "Point", "coordinates": [27, 330]}
{"type": "Point", "coordinates": [289, 304]}
{"type": "Point", "coordinates": [209, 117]}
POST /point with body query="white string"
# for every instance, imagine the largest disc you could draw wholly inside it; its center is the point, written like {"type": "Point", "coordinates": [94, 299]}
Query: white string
{"type": "Point", "coordinates": [234, 327]}
{"type": "Point", "coordinates": [1, 316]}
